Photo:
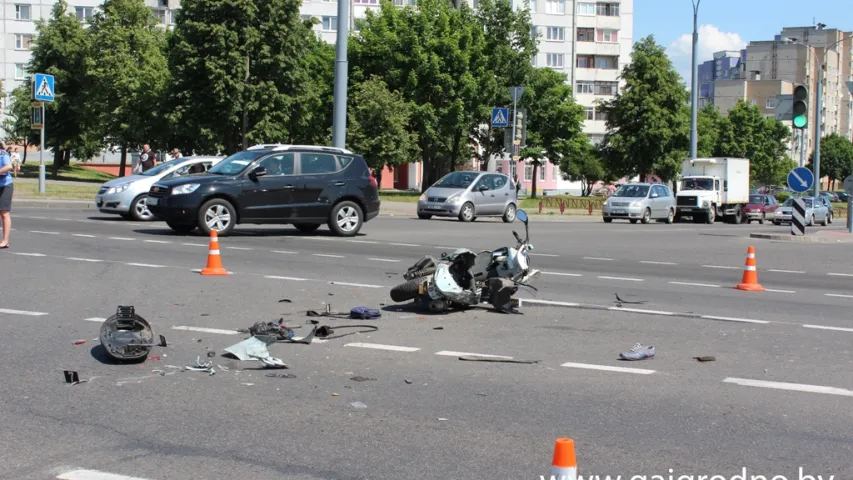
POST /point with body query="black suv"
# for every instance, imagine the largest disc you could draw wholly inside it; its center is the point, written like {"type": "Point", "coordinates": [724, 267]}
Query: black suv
{"type": "Point", "coordinates": [306, 186]}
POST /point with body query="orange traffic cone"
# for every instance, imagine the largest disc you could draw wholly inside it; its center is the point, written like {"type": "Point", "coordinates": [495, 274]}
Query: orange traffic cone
{"type": "Point", "coordinates": [564, 466]}
{"type": "Point", "coordinates": [214, 262]}
{"type": "Point", "coordinates": [750, 274]}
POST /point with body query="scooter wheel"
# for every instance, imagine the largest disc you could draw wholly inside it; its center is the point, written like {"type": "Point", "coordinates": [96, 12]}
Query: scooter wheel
{"type": "Point", "coordinates": [405, 291]}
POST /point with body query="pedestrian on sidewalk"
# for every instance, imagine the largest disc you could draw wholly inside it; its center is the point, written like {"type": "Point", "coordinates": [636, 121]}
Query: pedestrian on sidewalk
{"type": "Point", "coordinates": [6, 190]}
{"type": "Point", "coordinates": [147, 159]}
{"type": "Point", "coordinates": [16, 161]}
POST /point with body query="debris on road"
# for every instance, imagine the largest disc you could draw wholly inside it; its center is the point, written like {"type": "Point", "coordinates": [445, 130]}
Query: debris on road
{"type": "Point", "coordinates": [270, 362]}
{"type": "Point", "coordinates": [285, 300]}
{"type": "Point", "coordinates": [359, 378]}
{"type": "Point", "coordinates": [154, 357]}
{"type": "Point", "coordinates": [336, 395]}
{"type": "Point", "coordinates": [202, 367]}
{"type": "Point", "coordinates": [438, 328]}
{"type": "Point", "coordinates": [78, 342]}
{"type": "Point", "coordinates": [276, 329]}
{"type": "Point", "coordinates": [409, 382]}
{"type": "Point", "coordinates": [619, 301]}
{"type": "Point", "coordinates": [364, 313]}
{"type": "Point", "coordinates": [211, 354]}
{"type": "Point", "coordinates": [254, 346]}
{"type": "Point", "coordinates": [72, 377]}
{"type": "Point", "coordinates": [638, 352]}
{"type": "Point", "coordinates": [280, 375]}
{"type": "Point", "coordinates": [127, 336]}
{"type": "Point", "coordinates": [476, 358]}
{"type": "Point", "coordinates": [706, 358]}
{"type": "Point", "coordinates": [358, 405]}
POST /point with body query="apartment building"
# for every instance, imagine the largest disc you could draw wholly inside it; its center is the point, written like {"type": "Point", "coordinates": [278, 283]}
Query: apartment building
{"type": "Point", "coordinates": [725, 65]}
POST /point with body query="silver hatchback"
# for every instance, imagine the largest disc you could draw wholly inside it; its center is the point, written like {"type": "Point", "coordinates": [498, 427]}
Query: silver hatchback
{"type": "Point", "coordinates": [640, 201]}
{"type": "Point", "coordinates": [468, 195]}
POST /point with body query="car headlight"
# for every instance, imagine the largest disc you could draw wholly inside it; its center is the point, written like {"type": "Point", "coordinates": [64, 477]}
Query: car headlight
{"type": "Point", "coordinates": [118, 188]}
{"type": "Point", "coordinates": [638, 203]}
{"type": "Point", "coordinates": [454, 198]}
{"type": "Point", "coordinates": [184, 189]}
{"type": "Point", "coordinates": [605, 203]}
{"type": "Point", "coordinates": [706, 203]}
{"type": "Point", "coordinates": [422, 197]}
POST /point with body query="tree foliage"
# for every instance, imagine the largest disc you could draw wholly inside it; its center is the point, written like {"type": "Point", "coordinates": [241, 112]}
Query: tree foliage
{"type": "Point", "coordinates": [17, 123]}
{"type": "Point", "coordinates": [836, 157]}
{"type": "Point", "coordinates": [585, 166]}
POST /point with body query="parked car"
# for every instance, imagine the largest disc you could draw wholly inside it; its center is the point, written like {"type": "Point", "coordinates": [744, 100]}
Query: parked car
{"type": "Point", "coordinates": [815, 211]}
{"type": "Point", "coordinates": [830, 211]}
{"type": "Point", "coordinates": [760, 208]}
{"type": "Point", "coordinates": [640, 201]}
{"type": "Point", "coordinates": [468, 195]}
{"type": "Point", "coordinates": [832, 196]}
{"type": "Point", "coordinates": [126, 196]}
{"type": "Point", "coordinates": [305, 186]}
{"type": "Point", "coordinates": [842, 197]}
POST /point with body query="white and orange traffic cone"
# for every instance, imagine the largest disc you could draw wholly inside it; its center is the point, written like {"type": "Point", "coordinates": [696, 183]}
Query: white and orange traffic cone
{"type": "Point", "coordinates": [564, 466]}
{"type": "Point", "coordinates": [214, 262]}
{"type": "Point", "coordinates": [749, 282]}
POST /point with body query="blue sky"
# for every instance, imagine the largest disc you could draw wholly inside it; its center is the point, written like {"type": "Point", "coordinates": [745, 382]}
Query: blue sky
{"type": "Point", "coordinates": [730, 24]}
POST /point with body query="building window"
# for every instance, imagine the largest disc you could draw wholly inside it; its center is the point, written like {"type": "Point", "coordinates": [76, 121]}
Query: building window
{"type": "Point", "coordinates": [160, 15]}
{"type": "Point", "coordinates": [585, 61]}
{"type": "Point", "coordinates": [533, 6]}
{"type": "Point", "coordinates": [585, 88]}
{"type": "Point", "coordinates": [534, 33]}
{"type": "Point", "coordinates": [590, 113]}
{"type": "Point", "coordinates": [23, 41]}
{"type": "Point", "coordinates": [23, 12]}
{"type": "Point", "coordinates": [528, 172]}
{"type": "Point", "coordinates": [770, 104]}
{"type": "Point", "coordinates": [84, 13]}
{"type": "Point", "coordinates": [555, 60]}
{"type": "Point", "coordinates": [606, 63]}
{"type": "Point", "coordinates": [586, 35]}
{"type": "Point", "coordinates": [609, 36]}
{"type": "Point", "coordinates": [163, 3]}
{"type": "Point", "coordinates": [600, 115]}
{"type": "Point", "coordinates": [607, 9]}
{"type": "Point", "coordinates": [534, 61]}
{"type": "Point", "coordinates": [542, 172]}
{"type": "Point", "coordinates": [20, 71]}
{"type": "Point", "coordinates": [557, 34]}
{"type": "Point", "coordinates": [585, 8]}
{"type": "Point", "coordinates": [330, 23]}
{"type": "Point", "coordinates": [555, 6]}
{"type": "Point", "coordinates": [370, 2]}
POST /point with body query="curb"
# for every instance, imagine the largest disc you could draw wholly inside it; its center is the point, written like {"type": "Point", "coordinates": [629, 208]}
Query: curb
{"type": "Point", "coordinates": [53, 204]}
{"type": "Point", "coordinates": [799, 239]}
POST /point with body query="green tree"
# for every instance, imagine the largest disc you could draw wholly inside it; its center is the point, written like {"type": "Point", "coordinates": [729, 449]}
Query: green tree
{"type": "Point", "coordinates": [60, 48]}
{"type": "Point", "coordinates": [379, 126]}
{"type": "Point", "coordinates": [17, 123]}
{"type": "Point", "coordinates": [648, 121]}
{"type": "Point", "coordinates": [709, 122]}
{"type": "Point", "coordinates": [585, 166]}
{"type": "Point", "coordinates": [747, 133]}
{"type": "Point", "coordinates": [554, 123]}
{"type": "Point", "coordinates": [836, 157]}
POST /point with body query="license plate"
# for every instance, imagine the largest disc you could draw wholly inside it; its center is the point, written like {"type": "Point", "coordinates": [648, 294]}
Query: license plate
{"type": "Point", "coordinates": [619, 211]}
{"type": "Point", "coordinates": [152, 201]}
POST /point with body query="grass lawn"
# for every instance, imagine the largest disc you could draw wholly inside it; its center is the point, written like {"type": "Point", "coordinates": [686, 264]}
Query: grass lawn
{"type": "Point", "coordinates": [73, 173]}
{"type": "Point", "coordinates": [56, 190]}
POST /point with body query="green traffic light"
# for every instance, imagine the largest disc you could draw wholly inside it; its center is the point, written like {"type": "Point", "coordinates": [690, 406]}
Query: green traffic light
{"type": "Point", "coordinates": [800, 121]}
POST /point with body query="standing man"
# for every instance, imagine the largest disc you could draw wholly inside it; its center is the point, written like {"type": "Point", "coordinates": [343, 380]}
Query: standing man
{"type": "Point", "coordinates": [6, 190]}
{"type": "Point", "coordinates": [147, 159]}
{"type": "Point", "coordinates": [16, 161]}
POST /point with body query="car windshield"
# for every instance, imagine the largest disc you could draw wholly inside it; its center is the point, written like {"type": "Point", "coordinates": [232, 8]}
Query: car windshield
{"type": "Point", "coordinates": [457, 180]}
{"type": "Point", "coordinates": [236, 163]}
{"type": "Point", "coordinates": [632, 191]}
{"type": "Point", "coordinates": [697, 184]}
{"type": "Point", "coordinates": [163, 167]}
{"type": "Point", "coordinates": [756, 199]}
{"type": "Point", "coordinates": [790, 202]}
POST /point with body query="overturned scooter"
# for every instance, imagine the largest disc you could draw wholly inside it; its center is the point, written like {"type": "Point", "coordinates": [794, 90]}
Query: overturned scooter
{"type": "Point", "coordinates": [465, 279]}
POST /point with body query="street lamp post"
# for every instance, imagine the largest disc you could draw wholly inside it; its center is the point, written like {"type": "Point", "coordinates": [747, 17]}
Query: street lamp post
{"type": "Point", "coordinates": [694, 89]}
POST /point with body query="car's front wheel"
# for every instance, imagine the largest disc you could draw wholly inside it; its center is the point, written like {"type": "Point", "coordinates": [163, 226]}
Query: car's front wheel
{"type": "Point", "coordinates": [509, 214]}
{"type": "Point", "coordinates": [217, 214]}
{"type": "Point", "coordinates": [466, 214]}
{"type": "Point", "coordinates": [139, 210]}
{"type": "Point", "coordinates": [345, 220]}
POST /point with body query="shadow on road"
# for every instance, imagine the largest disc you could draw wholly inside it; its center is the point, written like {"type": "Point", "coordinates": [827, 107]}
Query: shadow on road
{"type": "Point", "coordinates": [99, 353]}
{"type": "Point", "coordinates": [242, 233]}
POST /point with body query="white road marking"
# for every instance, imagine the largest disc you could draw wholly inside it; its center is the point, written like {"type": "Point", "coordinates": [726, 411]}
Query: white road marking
{"type": "Point", "coordinates": [79, 259]}
{"type": "Point", "coordinates": [778, 291]}
{"type": "Point", "coordinates": [239, 248]}
{"type": "Point", "coordinates": [205, 330]}
{"type": "Point", "coordinates": [29, 254]}
{"type": "Point", "coordinates": [95, 319]}
{"type": "Point", "coordinates": [121, 238]}
{"type": "Point", "coordinates": [598, 258]}
{"type": "Point", "coordinates": [327, 255]}
{"type": "Point", "coordinates": [276, 277]}
{"type": "Point", "coordinates": [823, 327]}
{"type": "Point", "coordinates": [44, 233]}
{"type": "Point", "coordinates": [841, 274]}
{"type": "Point", "coordinates": [157, 241]}
{"type": "Point", "coordinates": [93, 475]}
{"type": "Point", "coordinates": [21, 312]}
{"type": "Point", "coordinates": [544, 255]}
{"type": "Point", "coordinates": [641, 310]}
{"type": "Point", "coordinates": [722, 266]}
{"type": "Point", "coordinates": [797, 387]}
{"type": "Point", "coordinates": [368, 242]}
{"type": "Point", "coordinates": [562, 274]}
{"type": "Point", "coordinates": [608, 368]}
{"type": "Point", "coordinates": [364, 285]}
{"type": "Point", "coordinates": [733, 319]}
{"type": "Point", "coordinates": [82, 235]}
{"type": "Point", "coordinates": [194, 244]}
{"type": "Point", "coordinates": [838, 295]}
{"type": "Point", "coordinates": [695, 284]}
{"type": "Point", "coordinates": [446, 353]}
{"type": "Point", "coordinates": [627, 279]}
{"type": "Point", "coordinates": [149, 265]}
{"type": "Point", "coordinates": [284, 252]}
{"type": "Point", "coordinates": [384, 260]}
{"type": "Point", "coordinates": [784, 271]}
{"type": "Point", "coordinates": [404, 244]}
{"type": "Point", "coordinates": [377, 346]}
{"type": "Point", "coordinates": [522, 301]}
{"type": "Point", "coordinates": [649, 262]}
{"type": "Point", "coordinates": [64, 219]}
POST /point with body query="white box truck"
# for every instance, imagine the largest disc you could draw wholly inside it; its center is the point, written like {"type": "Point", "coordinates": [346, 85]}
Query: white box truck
{"type": "Point", "coordinates": [712, 188]}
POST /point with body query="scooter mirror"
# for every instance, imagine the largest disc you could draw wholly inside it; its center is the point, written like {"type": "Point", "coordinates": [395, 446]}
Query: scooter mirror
{"type": "Point", "coordinates": [522, 215]}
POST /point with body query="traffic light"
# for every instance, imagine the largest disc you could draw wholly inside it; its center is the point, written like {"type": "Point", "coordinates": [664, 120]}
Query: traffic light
{"type": "Point", "coordinates": [801, 107]}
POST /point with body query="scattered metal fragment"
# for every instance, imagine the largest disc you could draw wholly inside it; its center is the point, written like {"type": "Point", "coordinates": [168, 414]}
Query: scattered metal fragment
{"type": "Point", "coordinates": [359, 378]}
{"type": "Point", "coordinates": [358, 405]}
{"type": "Point", "coordinates": [255, 346]}
{"type": "Point", "coordinates": [211, 354]}
{"type": "Point", "coordinates": [285, 300]}
{"type": "Point", "coordinates": [438, 328]}
{"type": "Point", "coordinates": [475, 358]}
{"type": "Point", "coordinates": [280, 375]}
{"type": "Point", "coordinates": [270, 362]}
{"type": "Point", "coordinates": [335, 395]}
{"type": "Point", "coordinates": [127, 336]}
{"type": "Point", "coordinates": [620, 301]}
{"type": "Point", "coordinates": [442, 419]}
{"type": "Point", "coordinates": [706, 358]}
{"type": "Point", "coordinates": [202, 367]}
{"type": "Point", "coordinates": [409, 382]}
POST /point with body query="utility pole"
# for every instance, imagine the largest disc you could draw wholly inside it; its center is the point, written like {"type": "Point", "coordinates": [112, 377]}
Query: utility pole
{"type": "Point", "coordinates": [694, 89]}
{"type": "Point", "coordinates": [339, 122]}
{"type": "Point", "coordinates": [245, 106]}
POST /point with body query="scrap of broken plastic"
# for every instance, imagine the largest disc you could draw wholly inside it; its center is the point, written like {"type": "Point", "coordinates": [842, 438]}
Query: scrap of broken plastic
{"type": "Point", "coordinates": [252, 347]}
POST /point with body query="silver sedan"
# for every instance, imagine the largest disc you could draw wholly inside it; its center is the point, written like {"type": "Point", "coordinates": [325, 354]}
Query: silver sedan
{"type": "Point", "coordinates": [816, 212]}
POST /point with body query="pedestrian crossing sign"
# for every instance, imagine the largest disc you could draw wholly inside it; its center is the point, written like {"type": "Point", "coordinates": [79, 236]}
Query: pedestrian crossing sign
{"type": "Point", "coordinates": [43, 87]}
{"type": "Point", "coordinates": [500, 117]}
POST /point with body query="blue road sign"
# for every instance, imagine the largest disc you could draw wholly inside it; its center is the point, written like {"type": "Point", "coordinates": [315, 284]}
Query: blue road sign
{"type": "Point", "coordinates": [800, 179]}
{"type": "Point", "coordinates": [500, 117]}
{"type": "Point", "coordinates": [43, 87]}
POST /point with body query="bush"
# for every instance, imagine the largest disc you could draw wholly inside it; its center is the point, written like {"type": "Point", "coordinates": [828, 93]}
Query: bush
{"type": "Point", "coordinates": [782, 196]}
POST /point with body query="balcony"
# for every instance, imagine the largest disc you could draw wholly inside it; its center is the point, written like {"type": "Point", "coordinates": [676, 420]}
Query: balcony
{"type": "Point", "coordinates": [613, 23]}
{"type": "Point", "coordinates": [593, 74]}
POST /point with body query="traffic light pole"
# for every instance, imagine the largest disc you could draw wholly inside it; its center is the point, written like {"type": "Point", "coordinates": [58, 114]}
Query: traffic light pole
{"type": "Point", "coordinates": [41, 151]}
{"type": "Point", "coordinates": [694, 89]}
{"type": "Point", "coordinates": [817, 127]}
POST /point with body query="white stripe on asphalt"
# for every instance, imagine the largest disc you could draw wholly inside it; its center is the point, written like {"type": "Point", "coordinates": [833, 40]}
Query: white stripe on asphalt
{"type": "Point", "coordinates": [157, 241]}
{"type": "Point", "coordinates": [194, 244]}
{"type": "Point", "coordinates": [562, 274]}
{"type": "Point", "coordinates": [608, 368]}
{"type": "Point", "coordinates": [327, 255]}
{"type": "Point", "coordinates": [734, 319]}
{"type": "Point", "coordinates": [797, 387]}
{"type": "Point", "coordinates": [778, 291]}
{"type": "Point", "coordinates": [239, 248]}
{"type": "Point", "coordinates": [523, 301]}
{"type": "Point", "coordinates": [641, 310]}
{"type": "Point", "coordinates": [841, 274]}
{"type": "Point", "coordinates": [721, 266]}
{"type": "Point", "coordinates": [377, 346]}
{"type": "Point", "coordinates": [21, 312]}
{"type": "Point", "coordinates": [80, 259]}
{"type": "Point", "coordinates": [544, 255]}
{"type": "Point", "coordinates": [205, 330]}
{"type": "Point", "coordinates": [823, 327]}
{"type": "Point", "coordinates": [447, 353]}
{"type": "Point", "coordinates": [838, 295]}
{"type": "Point", "coordinates": [785, 271]}
{"type": "Point", "coordinates": [121, 238]}
{"type": "Point", "coordinates": [149, 265]}
{"type": "Point", "coordinates": [368, 242]}
{"type": "Point", "coordinates": [82, 235]}
{"type": "Point", "coordinates": [275, 277]}
{"type": "Point", "coordinates": [598, 258]}
{"type": "Point", "coordinates": [363, 285]}
{"type": "Point", "coordinates": [29, 254]}
{"type": "Point", "coordinates": [384, 260]}
{"type": "Point", "coordinates": [285, 252]}
{"type": "Point", "coordinates": [657, 263]}
{"type": "Point", "coordinates": [405, 244]}
{"type": "Point", "coordinates": [95, 319]}
{"type": "Point", "coordinates": [622, 278]}
{"type": "Point", "coordinates": [695, 284]}
{"type": "Point", "coordinates": [44, 233]}
{"type": "Point", "coordinates": [93, 475]}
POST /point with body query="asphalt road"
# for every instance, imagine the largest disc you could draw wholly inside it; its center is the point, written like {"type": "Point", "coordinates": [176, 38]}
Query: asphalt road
{"type": "Point", "coordinates": [778, 397]}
